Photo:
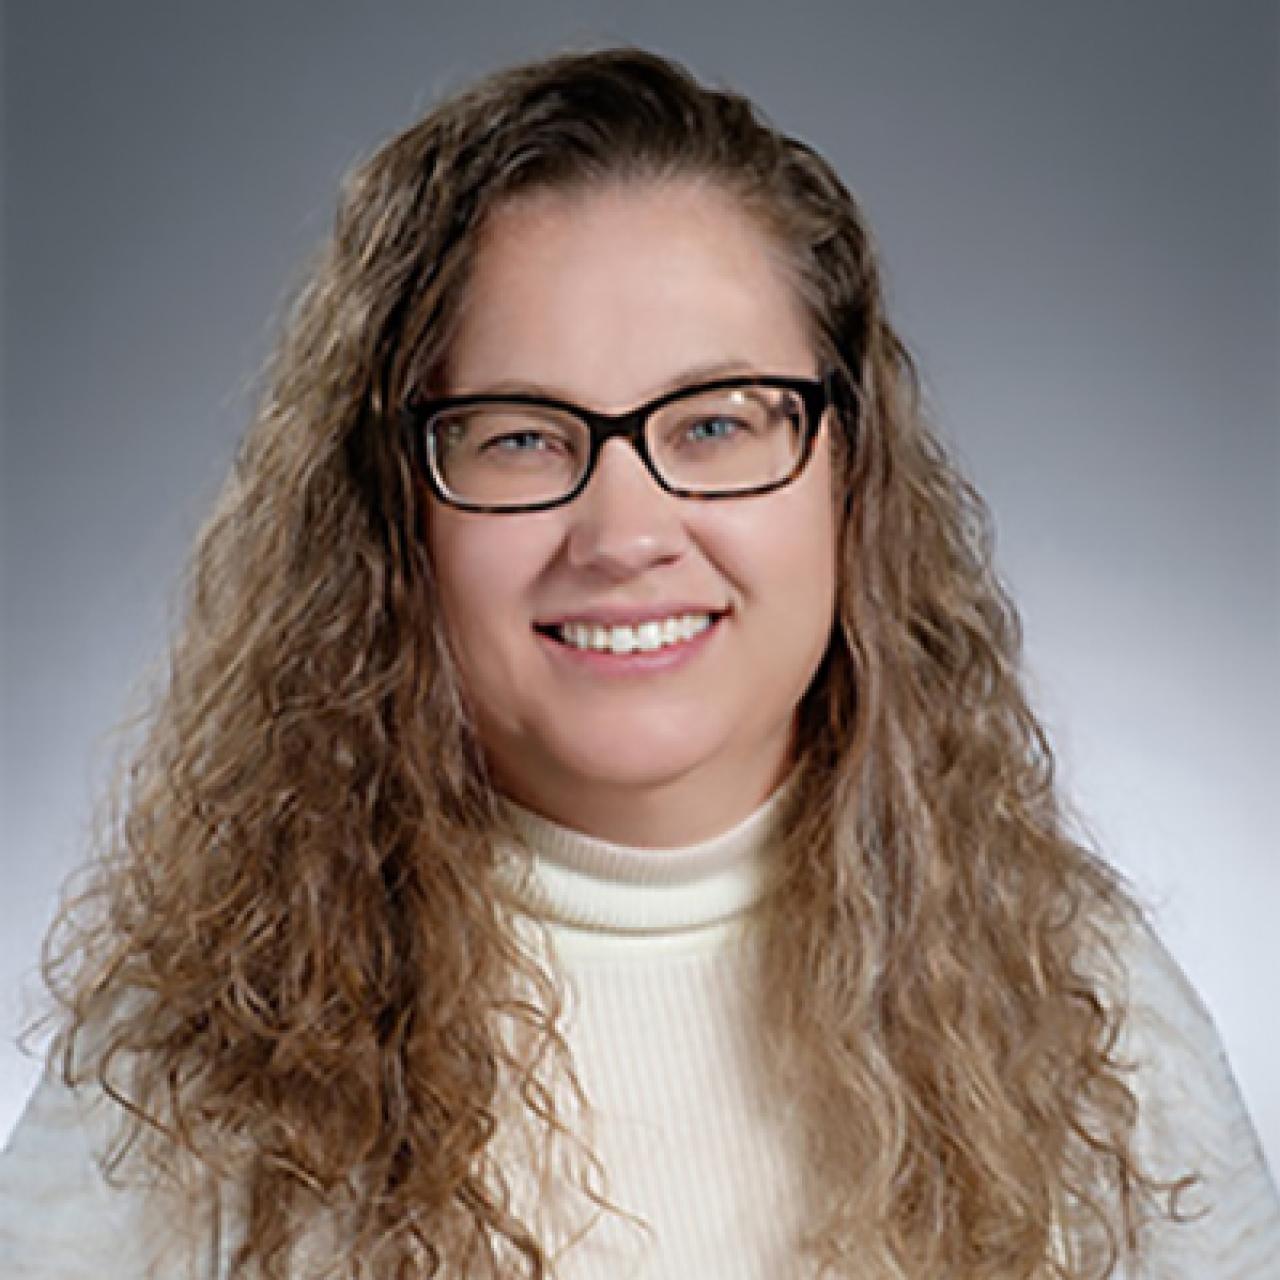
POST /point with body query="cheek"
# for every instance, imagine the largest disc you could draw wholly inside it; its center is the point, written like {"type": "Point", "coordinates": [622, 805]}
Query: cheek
{"type": "Point", "coordinates": [466, 575]}
{"type": "Point", "coordinates": [485, 568]}
{"type": "Point", "coordinates": [812, 581]}
{"type": "Point", "coordinates": [825, 500]}
{"type": "Point", "coordinates": [788, 548]}
{"type": "Point", "coordinates": [803, 561]}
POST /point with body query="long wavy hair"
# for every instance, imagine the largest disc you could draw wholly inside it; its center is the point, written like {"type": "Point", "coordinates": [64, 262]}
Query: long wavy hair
{"type": "Point", "coordinates": [292, 966]}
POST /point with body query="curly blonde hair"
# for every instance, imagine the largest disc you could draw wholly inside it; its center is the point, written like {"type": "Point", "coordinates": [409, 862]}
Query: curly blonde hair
{"type": "Point", "coordinates": [291, 966]}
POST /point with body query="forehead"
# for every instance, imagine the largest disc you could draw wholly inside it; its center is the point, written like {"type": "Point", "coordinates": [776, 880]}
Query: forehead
{"type": "Point", "coordinates": [611, 290]}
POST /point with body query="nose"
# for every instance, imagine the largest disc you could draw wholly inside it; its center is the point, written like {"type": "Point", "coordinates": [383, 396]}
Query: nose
{"type": "Point", "coordinates": [623, 522]}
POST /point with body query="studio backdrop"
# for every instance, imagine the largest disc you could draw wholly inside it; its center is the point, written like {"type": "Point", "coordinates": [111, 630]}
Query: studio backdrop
{"type": "Point", "coordinates": [1077, 209]}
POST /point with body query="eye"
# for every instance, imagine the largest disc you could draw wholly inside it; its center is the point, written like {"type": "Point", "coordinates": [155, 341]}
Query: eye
{"type": "Point", "coordinates": [525, 440]}
{"type": "Point", "coordinates": [717, 430]}
{"type": "Point", "coordinates": [716, 427]}
{"type": "Point", "coordinates": [497, 434]}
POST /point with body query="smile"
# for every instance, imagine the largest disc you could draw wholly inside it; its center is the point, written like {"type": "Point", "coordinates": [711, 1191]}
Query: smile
{"type": "Point", "coordinates": [622, 638]}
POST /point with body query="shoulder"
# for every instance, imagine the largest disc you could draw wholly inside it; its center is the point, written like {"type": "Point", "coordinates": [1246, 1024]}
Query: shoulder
{"type": "Point", "coordinates": [1165, 1020]}
{"type": "Point", "coordinates": [59, 1214]}
{"type": "Point", "coordinates": [1169, 1040]}
{"type": "Point", "coordinates": [1191, 1119]}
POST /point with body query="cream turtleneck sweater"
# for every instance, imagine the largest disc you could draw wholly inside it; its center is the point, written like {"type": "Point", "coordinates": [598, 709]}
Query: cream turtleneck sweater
{"type": "Point", "coordinates": [655, 950]}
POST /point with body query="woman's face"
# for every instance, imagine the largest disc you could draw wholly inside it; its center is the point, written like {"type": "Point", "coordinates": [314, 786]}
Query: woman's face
{"type": "Point", "coordinates": [607, 299]}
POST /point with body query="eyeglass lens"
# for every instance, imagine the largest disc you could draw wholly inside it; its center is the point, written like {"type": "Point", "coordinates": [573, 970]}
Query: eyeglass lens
{"type": "Point", "coordinates": [718, 441]}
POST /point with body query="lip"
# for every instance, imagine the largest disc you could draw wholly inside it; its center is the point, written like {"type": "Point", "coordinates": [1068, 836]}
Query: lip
{"type": "Point", "coordinates": [640, 662]}
{"type": "Point", "coordinates": [620, 615]}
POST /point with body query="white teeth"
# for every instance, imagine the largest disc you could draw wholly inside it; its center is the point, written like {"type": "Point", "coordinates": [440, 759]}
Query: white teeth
{"type": "Point", "coordinates": [649, 636]}
{"type": "Point", "coordinates": [646, 637]}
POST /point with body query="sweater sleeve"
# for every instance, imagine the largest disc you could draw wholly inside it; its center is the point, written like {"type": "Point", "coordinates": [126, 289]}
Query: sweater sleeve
{"type": "Point", "coordinates": [59, 1218]}
{"type": "Point", "coordinates": [1192, 1120]}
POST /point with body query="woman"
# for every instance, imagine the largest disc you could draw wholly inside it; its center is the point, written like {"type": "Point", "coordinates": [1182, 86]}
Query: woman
{"type": "Point", "coordinates": [594, 826]}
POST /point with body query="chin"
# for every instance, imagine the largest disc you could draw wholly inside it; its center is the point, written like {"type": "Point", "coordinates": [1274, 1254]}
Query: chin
{"type": "Point", "coordinates": [633, 765]}
{"type": "Point", "coordinates": [620, 753]}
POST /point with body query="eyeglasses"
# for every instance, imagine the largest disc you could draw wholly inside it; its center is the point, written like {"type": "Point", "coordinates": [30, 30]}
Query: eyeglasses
{"type": "Point", "coordinates": [731, 438]}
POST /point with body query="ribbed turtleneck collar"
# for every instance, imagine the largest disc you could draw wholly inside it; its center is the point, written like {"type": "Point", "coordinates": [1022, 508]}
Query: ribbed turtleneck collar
{"type": "Point", "coordinates": [580, 882]}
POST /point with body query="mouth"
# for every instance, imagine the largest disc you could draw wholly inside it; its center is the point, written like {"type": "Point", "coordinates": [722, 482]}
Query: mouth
{"type": "Point", "coordinates": [649, 636]}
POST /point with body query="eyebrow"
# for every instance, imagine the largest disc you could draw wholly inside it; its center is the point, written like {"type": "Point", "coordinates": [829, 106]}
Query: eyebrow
{"type": "Point", "coordinates": [687, 377]}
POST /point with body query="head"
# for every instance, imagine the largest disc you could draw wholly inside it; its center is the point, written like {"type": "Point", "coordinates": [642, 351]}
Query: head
{"type": "Point", "coordinates": [599, 228]}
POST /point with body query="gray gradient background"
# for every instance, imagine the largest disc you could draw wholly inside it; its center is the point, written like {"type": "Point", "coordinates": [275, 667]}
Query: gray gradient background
{"type": "Point", "coordinates": [1077, 204]}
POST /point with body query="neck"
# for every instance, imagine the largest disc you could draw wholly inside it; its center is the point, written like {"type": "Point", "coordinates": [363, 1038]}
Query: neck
{"type": "Point", "coordinates": [664, 815]}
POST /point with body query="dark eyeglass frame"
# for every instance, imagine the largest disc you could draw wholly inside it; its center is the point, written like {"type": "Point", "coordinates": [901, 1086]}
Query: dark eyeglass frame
{"type": "Point", "coordinates": [816, 395]}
